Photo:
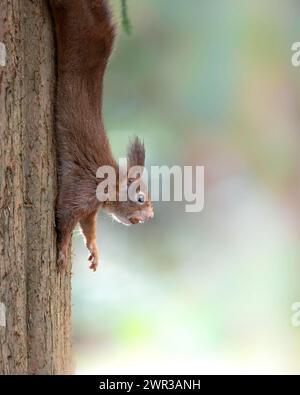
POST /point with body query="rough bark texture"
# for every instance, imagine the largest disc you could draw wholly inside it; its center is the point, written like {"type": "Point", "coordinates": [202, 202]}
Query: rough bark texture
{"type": "Point", "coordinates": [35, 329]}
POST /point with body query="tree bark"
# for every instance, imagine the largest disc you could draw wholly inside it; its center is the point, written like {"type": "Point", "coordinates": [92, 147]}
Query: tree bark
{"type": "Point", "coordinates": [35, 301]}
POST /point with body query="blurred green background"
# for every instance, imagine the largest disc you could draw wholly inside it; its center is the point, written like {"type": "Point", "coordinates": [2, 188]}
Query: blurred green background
{"type": "Point", "coordinates": [204, 83]}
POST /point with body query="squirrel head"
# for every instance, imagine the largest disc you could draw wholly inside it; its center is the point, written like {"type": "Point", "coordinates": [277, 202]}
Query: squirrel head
{"type": "Point", "coordinates": [133, 204]}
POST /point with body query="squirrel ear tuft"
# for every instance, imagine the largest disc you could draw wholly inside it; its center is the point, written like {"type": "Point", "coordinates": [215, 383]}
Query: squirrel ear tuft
{"type": "Point", "coordinates": [136, 153]}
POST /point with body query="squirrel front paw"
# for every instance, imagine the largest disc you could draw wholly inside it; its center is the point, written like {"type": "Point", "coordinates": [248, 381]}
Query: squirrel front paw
{"type": "Point", "coordinates": [94, 255]}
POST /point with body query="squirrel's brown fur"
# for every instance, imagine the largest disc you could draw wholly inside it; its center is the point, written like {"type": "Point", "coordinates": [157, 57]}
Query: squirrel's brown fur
{"type": "Point", "coordinates": [85, 36]}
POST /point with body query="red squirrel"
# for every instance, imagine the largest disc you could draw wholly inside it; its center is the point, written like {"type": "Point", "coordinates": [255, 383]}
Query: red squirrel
{"type": "Point", "coordinates": [85, 35]}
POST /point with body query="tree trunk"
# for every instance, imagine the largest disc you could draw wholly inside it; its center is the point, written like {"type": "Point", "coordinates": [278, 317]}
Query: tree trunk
{"type": "Point", "coordinates": [35, 301]}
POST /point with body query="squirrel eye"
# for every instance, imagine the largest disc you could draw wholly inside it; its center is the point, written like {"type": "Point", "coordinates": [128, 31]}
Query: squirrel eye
{"type": "Point", "coordinates": [140, 198]}
{"type": "Point", "coordinates": [130, 180]}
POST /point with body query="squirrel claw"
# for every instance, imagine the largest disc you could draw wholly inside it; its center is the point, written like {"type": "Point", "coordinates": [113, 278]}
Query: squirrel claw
{"type": "Point", "coordinates": [61, 262]}
{"type": "Point", "coordinates": [94, 255]}
{"type": "Point", "coordinates": [93, 267]}
{"type": "Point", "coordinates": [93, 259]}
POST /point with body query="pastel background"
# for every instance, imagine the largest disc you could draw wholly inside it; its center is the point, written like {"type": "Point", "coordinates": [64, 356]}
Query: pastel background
{"type": "Point", "coordinates": [204, 83]}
